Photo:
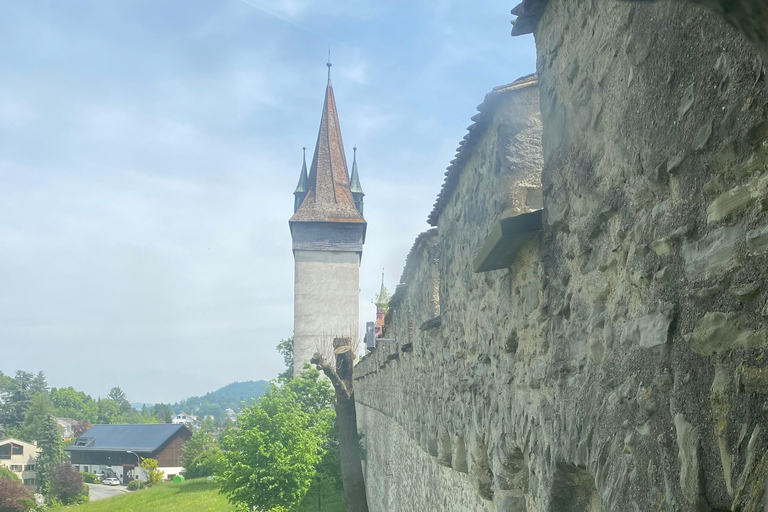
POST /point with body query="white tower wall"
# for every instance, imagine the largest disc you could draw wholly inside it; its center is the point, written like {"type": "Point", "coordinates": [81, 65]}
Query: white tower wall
{"type": "Point", "coordinates": [326, 301]}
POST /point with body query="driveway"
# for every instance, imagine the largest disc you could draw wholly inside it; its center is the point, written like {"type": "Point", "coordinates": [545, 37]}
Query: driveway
{"type": "Point", "coordinates": [101, 492]}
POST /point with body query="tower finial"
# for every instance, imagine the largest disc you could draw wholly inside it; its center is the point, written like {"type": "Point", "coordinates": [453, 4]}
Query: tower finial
{"type": "Point", "coordinates": [329, 65]}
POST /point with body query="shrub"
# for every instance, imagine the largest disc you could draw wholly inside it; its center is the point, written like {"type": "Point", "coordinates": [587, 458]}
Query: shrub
{"type": "Point", "coordinates": [6, 473]}
{"type": "Point", "coordinates": [205, 464]}
{"type": "Point", "coordinates": [153, 474]}
{"type": "Point", "coordinates": [90, 478]}
{"type": "Point", "coordinates": [14, 496]}
{"type": "Point", "coordinates": [67, 484]}
{"type": "Point", "coordinates": [133, 485]}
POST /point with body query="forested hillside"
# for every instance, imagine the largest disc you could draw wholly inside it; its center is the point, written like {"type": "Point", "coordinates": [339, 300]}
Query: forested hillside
{"type": "Point", "coordinates": [217, 402]}
{"type": "Point", "coordinates": [26, 401]}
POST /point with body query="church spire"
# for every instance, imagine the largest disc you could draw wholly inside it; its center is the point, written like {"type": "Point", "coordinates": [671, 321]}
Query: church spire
{"type": "Point", "coordinates": [328, 196]}
{"type": "Point", "coordinates": [354, 184]}
{"type": "Point", "coordinates": [301, 188]}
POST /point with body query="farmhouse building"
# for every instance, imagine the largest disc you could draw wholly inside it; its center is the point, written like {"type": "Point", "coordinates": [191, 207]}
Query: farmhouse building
{"type": "Point", "coordinates": [116, 450]}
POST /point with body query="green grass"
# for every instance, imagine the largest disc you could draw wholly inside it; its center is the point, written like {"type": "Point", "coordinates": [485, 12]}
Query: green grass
{"type": "Point", "coordinates": [190, 496]}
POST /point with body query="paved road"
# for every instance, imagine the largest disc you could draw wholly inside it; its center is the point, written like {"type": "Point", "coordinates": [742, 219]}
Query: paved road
{"type": "Point", "coordinates": [100, 492]}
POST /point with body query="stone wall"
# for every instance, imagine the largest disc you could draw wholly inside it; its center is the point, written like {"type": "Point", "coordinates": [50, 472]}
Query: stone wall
{"type": "Point", "coordinates": [619, 363]}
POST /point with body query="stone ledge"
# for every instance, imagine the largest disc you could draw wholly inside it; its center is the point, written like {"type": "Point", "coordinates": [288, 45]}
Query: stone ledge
{"type": "Point", "coordinates": [506, 240]}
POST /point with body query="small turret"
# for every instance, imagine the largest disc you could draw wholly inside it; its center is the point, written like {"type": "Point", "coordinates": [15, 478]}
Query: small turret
{"type": "Point", "coordinates": [301, 189]}
{"type": "Point", "coordinates": [354, 184]}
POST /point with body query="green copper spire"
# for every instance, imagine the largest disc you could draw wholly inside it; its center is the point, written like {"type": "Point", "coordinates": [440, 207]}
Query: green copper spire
{"type": "Point", "coordinates": [354, 184]}
{"type": "Point", "coordinates": [354, 179]}
{"type": "Point", "coordinates": [301, 188]}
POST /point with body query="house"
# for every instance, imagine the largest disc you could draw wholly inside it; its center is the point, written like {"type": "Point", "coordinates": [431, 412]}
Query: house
{"type": "Point", "coordinates": [186, 419]}
{"type": "Point", "coordinates": [116, 450]}
{"type": "Point", "coordinates": [19, 457]}
{"type": "Point", "coordinates": [67, 426]}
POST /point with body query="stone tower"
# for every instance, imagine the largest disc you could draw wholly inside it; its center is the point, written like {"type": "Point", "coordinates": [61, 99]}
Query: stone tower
{"type": "Point", "coordinates": [328, 232]}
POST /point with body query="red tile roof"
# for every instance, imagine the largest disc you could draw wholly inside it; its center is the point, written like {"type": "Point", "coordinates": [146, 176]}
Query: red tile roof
{"type": "Point", "coordinates": [329, 198]}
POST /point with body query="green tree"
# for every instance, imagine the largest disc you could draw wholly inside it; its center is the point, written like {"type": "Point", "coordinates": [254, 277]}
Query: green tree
{"type": "Point", "coordinates": [70, 403]}
{"type": "Point", "coordinates": [35, 417]}
{"type": "Point", "coordinates": [118, 396]}
{"type": "Point", "coordinates": [109, 411]}
{"type": "Point", "coordinates": [154, 475]}
{"type": "Point", "coordinates": [15, 396]}
{"type": "Point", "coordinates": [208, 463]}
{"type": "Point", "coordinates": [6, 473]}
{"type": "Point", "coordinates": [270, 459]}
{"type": "Point", "coordinates": [163, 413]}
{"type": "Point", "coordinates": [285, 347]}
{"type": "Point", "coordinates": [51, 453]}
{"type": "Point", "coordinates": [201, 441]}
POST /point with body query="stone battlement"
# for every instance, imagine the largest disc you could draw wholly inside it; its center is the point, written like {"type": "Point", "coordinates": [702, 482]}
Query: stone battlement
{"type": "Point", "coordinates": [609, 353]}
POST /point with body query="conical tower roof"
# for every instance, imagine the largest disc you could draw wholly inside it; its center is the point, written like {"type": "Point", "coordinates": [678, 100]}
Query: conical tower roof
{"type": "Point", "coordinates": [301, 187]}
{"type": "Point", "coordinates": [354, 180]}
{"type": "Point", "coordinates": [329, 198]}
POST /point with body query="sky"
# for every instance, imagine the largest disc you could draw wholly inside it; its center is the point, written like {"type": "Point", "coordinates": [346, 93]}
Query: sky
{"type": "Point", "coordinates": [148, 155]}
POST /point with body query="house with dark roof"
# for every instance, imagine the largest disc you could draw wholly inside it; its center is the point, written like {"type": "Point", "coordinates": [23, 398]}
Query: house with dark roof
{"type": "Point", "coordinates": [116, 450]}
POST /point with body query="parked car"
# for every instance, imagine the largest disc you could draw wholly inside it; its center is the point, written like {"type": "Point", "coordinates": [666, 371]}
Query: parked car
{"type": "Point", "coordinates": [110, 481]}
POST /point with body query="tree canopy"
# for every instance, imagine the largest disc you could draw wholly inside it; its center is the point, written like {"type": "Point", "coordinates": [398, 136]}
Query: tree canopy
{"type": "Point", "coordinates": [271, 458]}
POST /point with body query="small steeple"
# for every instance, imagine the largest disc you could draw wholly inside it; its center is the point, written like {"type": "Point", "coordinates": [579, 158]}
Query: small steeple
{"type": "Point", "coordinates": [301, 188]}
{"type": "Point", "coordinates": [354, 184]}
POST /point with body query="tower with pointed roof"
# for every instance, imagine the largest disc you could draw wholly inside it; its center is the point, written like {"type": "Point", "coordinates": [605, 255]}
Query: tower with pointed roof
{"type": "Point", "coordinates": [328, 232]}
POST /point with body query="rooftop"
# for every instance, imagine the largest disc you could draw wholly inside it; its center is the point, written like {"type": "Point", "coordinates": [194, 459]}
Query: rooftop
{"type": "Point", "coordinates": [120, 438]}
{"type": "Point", "coordinates": [329, 198]}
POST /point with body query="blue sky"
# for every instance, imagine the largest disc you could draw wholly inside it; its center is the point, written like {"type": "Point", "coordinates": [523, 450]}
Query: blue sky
{"type": "Point", "coordinates": [148, 155]}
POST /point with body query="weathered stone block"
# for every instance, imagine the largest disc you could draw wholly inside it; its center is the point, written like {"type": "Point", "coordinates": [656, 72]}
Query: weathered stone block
{"type": "Point", "coordinates": [712, 255]}
{"type": "Point", "coordinates": [688, 440]}
{"type": "Point", "coordinates": [757, 240]}
{"type": "Point", "coordinates": [718, 332]}
{"type": "Point", "coordinates": [733, 201]}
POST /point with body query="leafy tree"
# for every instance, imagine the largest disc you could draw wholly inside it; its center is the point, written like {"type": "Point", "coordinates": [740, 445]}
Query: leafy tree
{"type": "Point", "coordinates": [50, 455]}
{"type": "Point", "coordinates": [201, 441]}
{"type": "Point", "coordinates": [270, 458]}
{"type": "Point", "coordinates": [35, 417]}
{"type": "Point", "coordinates": [67, 485]}
{"type": "Point", "coordinates": [14, 496]}
{"type": "Point", "coordinates": [208, 424]}
{"type": "Point", "coordinates": [154, 475]}
{"type": "Point", "coordinates": [206, 464]}
{"type": "Point", "coordinates": [15, 396]}
{"type": "Point", "coordinates": [202, 455]}
{"type": "Point", "coordinates": [7, 473]}
{"type": "Point", "coordinates": [285, 347]}
{"type": "Point", "coordinates": [163, 413]}
{"type": "Point", "coordinates": [70, 403]}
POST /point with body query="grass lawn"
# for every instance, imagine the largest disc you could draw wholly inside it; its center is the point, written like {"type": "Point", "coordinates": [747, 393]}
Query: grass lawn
{"type": "Point", "coordinates": [190, 496]}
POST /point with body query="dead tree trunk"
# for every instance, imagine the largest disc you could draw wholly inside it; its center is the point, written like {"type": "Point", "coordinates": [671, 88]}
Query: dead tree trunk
{"type": "Point", "coordinates": [341, 376]}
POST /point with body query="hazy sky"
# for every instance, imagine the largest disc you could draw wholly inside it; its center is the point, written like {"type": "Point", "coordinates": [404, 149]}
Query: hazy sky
{"type": "Point", "coordinates": [148, 155]}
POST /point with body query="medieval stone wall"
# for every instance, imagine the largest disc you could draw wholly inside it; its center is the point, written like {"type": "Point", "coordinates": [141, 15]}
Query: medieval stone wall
{"type": "Point", "coordinates": [619, 364]}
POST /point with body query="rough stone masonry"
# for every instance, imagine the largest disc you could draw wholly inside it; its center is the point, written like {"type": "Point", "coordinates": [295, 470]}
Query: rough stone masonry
{"type": "Point", "coordinates": [617, 361]}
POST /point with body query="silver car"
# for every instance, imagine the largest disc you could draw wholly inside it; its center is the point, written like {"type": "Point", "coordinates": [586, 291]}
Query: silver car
{"type": "Point", "coordinates": [111, 481]}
